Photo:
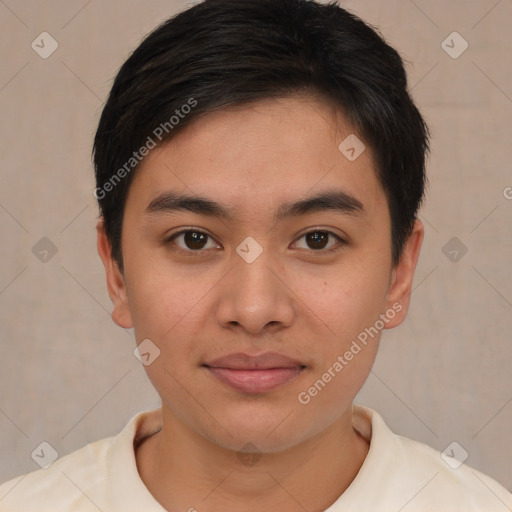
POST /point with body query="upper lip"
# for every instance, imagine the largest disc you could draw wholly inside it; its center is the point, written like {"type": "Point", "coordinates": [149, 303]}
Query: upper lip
{"type": "Point", "coordinates": [265, 361]}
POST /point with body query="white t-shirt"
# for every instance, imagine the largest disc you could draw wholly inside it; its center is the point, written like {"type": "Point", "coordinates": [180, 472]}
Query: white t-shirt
{"type": "Point", "coordinates": [398, 474]}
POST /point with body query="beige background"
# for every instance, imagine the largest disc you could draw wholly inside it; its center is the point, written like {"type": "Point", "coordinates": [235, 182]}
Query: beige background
{"type": "Point", "coordinates": [68, 374]}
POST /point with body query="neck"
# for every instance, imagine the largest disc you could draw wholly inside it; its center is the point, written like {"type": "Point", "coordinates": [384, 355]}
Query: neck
{"type": "Point", "coordinates": [185, 471]}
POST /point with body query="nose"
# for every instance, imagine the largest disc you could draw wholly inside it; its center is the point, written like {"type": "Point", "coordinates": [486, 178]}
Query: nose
{"type": "Point", "coordinates": [255, 296]}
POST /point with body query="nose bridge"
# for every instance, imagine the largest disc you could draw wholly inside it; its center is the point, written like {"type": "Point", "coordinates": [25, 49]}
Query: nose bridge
{"type": "Point", "coordinates": [253, 295]}
{"type": "Point", "coordinates": [253, 272]}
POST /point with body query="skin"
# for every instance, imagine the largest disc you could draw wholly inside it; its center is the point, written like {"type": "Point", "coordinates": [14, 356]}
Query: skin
{"type": "Point", "coordinates": [293, 299]}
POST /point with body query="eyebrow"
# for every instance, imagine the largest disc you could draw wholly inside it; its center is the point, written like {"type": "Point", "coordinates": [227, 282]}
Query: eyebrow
{"type": "Point", "coordinates": [330, 200]}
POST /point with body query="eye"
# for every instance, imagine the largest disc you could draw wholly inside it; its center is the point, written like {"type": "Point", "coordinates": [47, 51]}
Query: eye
{"type": "Point", "coordinates": [317, 240]}
{"type": "Point", "coordinates": [193, 240]}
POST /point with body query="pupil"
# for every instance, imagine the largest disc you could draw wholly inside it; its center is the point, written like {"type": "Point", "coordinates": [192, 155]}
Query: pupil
{"type": "Point", "coordinates": [192, 239]}
{"type": "Point", "coordinates": [317, 237]}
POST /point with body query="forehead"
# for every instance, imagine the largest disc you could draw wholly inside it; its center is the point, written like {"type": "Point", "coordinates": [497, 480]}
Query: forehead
{"type": "Point", "coordinates": [258, 156]}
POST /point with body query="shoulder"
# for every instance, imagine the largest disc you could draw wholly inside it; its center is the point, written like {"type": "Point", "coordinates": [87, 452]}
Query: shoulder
{"type": "Point", "coordinates": [70, 483]}
{"type": "Point", "coordinates": [451, 482]}
{"type": "Point", "coordinates": [91, 478]}
{"type": "Point", "coordinates": [418, 478]}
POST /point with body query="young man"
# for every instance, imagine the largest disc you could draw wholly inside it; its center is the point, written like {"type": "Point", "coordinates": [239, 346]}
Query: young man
{"type": "Point", "coordinates": [259, 169]}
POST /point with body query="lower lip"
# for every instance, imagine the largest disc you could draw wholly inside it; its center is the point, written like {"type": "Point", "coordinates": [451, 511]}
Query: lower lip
{"type": "Point", "coordinates": [256, 381]}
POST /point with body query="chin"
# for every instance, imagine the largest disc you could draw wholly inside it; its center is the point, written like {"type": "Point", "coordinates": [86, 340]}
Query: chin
{"type": "Point", "coordinates": [268, 434]}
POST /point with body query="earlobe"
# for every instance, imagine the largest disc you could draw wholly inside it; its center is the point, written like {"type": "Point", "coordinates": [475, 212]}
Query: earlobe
{"type": "Point", "coordinates": [403, 275]}
{"type": "Point", "coordinates": [115, 280]}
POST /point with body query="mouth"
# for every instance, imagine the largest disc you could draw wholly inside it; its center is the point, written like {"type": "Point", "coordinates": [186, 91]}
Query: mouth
{"type": "Point", "coordinates": [255, 374]}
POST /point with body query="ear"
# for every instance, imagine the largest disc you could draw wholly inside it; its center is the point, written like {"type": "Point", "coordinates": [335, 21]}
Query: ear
{"type": "Point", "coordinates": [402, 275]}
{"type": "Point", "coordinates": [115, 281]}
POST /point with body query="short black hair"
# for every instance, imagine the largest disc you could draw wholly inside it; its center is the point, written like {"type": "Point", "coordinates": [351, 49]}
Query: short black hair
{"type": "Point", "coordinates": [222, 53]}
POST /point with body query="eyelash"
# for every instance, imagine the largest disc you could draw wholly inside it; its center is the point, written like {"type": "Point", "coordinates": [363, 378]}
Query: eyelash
{"type": "Point", "coordinates": [200, 252]}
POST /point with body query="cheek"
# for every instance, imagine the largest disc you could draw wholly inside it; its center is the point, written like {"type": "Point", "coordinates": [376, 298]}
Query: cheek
{"type": "Point", "coordinates": [163, 304]}
{"type": "Point", "coordinates": [350, 303]}
{"type": "Point", "coordinates": [346, 298]}
{"type": "Point", "coordinates": [167, 310]}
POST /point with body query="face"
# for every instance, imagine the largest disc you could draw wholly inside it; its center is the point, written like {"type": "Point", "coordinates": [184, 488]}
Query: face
{"type": "Point", "coordinates": [272, 267]}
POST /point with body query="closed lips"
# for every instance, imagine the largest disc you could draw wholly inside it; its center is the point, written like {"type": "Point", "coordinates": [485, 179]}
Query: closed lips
{"type": "Point", "coordinates": [255, 374]}
{"type": "Point", "coordinates": [266, 361]}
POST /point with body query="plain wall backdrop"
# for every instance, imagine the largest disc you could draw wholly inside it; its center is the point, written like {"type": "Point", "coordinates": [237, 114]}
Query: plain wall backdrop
{"type": "Point", "coordinates": [68, 375]}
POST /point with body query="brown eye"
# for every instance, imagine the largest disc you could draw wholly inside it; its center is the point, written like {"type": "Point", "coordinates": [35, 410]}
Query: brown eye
{"type": "Point", "coordinates": [318, 241]}
{"type": "Point", "coordinates": [192, 240]}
